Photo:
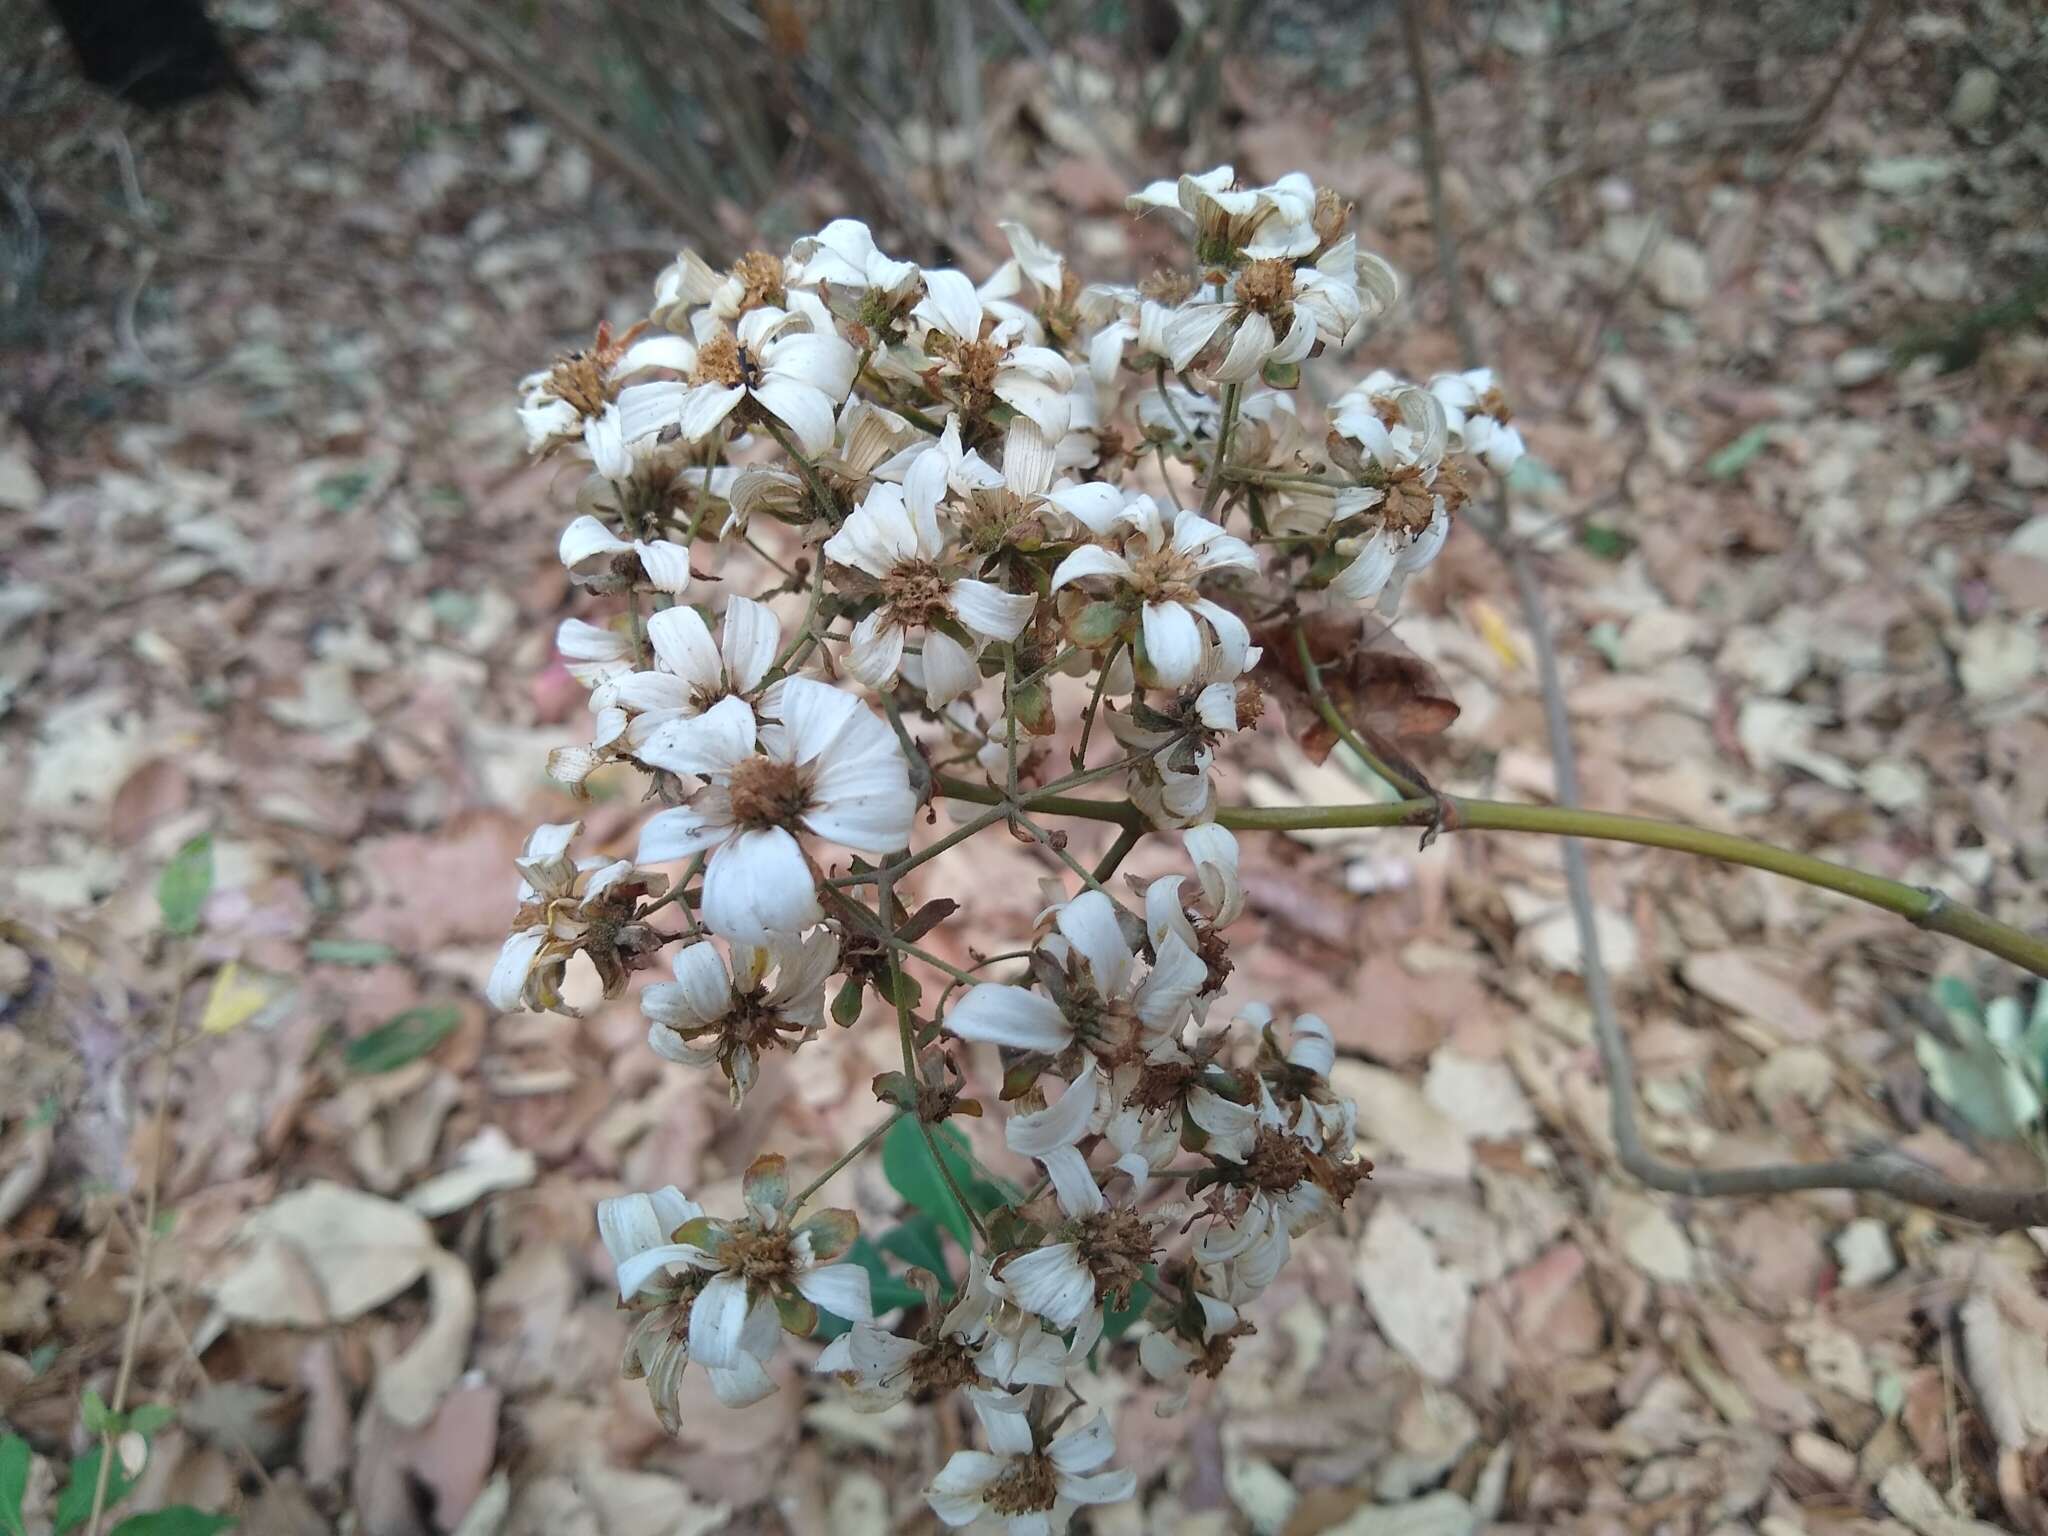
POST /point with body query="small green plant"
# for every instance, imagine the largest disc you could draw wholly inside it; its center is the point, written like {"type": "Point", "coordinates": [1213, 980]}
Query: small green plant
{"type": "Point", "coordinates": [1995, 1072]}
{"type": "Point", "coordinates": [125, 1437]}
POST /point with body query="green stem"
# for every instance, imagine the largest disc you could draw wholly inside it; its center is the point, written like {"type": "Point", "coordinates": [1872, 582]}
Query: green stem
{"type": "Point", "coordinates": [1327, 708]}
{"type": "Point", "coordinates": [843, 1159]}
{"type": "Point", "coordinates": [1922, 907]}
{"type": "Point", "coordinates": [828, 504]}
{"type": "Point", "coordinates": [907, 1035]}
{"type": "Point", "coordinates": [1231, 395]}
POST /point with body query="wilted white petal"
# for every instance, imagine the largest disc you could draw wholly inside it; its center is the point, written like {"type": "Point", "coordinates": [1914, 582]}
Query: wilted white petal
{"type": "Point", "coordinates": [1173, 643]}
{"type": "Point", "coordinates": [1061, 1125]}
{"type": "Point", "coordinates": [1089, 923]}
{"type": "Point", "coordinates": [757, 887]}
{"type": "Point", "coordinates": [841, 1289]}
{"type": "Point", "coordinates": [998, 1014]}
{"type": "Point", "coordinates": [1052, 1282]}
{"type": "Point", "coordinates": [990, 611]}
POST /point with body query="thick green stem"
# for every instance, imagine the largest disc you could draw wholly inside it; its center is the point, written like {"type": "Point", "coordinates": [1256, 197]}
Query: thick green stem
{"type": "Point", "coordinates": [1922, 907]}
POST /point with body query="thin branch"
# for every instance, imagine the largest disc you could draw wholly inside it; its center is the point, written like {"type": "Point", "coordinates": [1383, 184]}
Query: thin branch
{"type": "Point", "coordinates": [1915, 1185]}
{"type": "Point", "coordinates": [1920, 906]}
{"type": "Point", "coordinates": [131, 1338]}
{"type": "Point", "coordinates": [454, 25]}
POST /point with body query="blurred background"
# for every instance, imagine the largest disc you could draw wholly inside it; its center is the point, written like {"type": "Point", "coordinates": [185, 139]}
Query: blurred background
{"type": "Point", "coordinates": [1764, 282]}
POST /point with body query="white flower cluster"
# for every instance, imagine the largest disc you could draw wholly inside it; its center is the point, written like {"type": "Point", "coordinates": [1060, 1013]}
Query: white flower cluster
{"type": "Point", "coordinates": [975, 490]}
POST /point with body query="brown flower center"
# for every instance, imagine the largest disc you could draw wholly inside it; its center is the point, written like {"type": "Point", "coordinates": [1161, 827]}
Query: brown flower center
{"type": "Point", "coordinates": [767, 792]}
{"type": "Point", "coordinates": [760, 275]}
{"type": "Point", "coordinates": [979, 362]}
{"type": "Point", "coordinates": [1115, 1244]}
{"type": "Point", "coordinates": [917, 592]}
{"type": "Point", "coordinates": [757, 1256]}
{"type": "Point", "coordinates": [1495, 404]}
{"type": "Point", "coordinates": [1268, 286]}
{"type": "Point", "coordinates": [1164, 576]}
{"type": "Point", "coordinates": [1411, 504]}
{"type": "Point", "coordinates": [942, 1367]}
{"type": "Point", "coordinates": [1278, 1162]}
{"type": "Point", "coordinates": [721, 360]}
{"type": "Point", "coordinates": [1168, 288]}
{"type": "Point", "coordinates": [1026, 1487]}
{"type": "Point", "coordinates": [584, 379]}
{"type": "Point", "coordinates": [1251, 703]}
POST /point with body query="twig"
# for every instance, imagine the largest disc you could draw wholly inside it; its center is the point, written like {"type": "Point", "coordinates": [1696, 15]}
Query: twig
{"type": "Point", "coordinates": [2000, 1208]}
{"type": "Point", "coordinates": [1034, 43]}
{"type": "Point", "coordinates": [1809, 125]}
{"type": "Point", "coordinates": [1433, 177]}
{"type": "Point", "coordinates": [146, 1257]}
{"type": "Point", "coordinates": [454, 25]}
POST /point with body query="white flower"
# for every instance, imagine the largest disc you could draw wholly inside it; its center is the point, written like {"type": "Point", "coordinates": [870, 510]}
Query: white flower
{"type": "Point", "coordinates": [1476, 416]}
{"type": "Point", "coordinates": [691, 672]}
{"type": "Point", "coordinates": [569, 402]}
{"type": "Point", "coordinates": [867, 437]}
{"type": "Point", "coordinates": [894, 538]}
{"type": "Point", "coordinates": [1235, 223]}
{"type": "Point", "coordinates": [1410, 516]}
{"type": "Point", "coordinates": [740, 1013]}
{"type": "Point", "coordinates": [1215, 1323]}
{"type": "Point", "coordinates": [726, 1290]}
{"type": "Point", "coordinates": [598, 557]}
{"type": "Point", "coordinates": [1052, 1136]}
{"type": "Point", "coordinates": [1164, 568]}
{"type": "Point", "coordinates": [979, 369]}
{"type": "Point", "coordinates": [1105, 1008]}
{"type": "Point", "coordinates": [661, 1278]}
{"type": "Point", "coordinates": [843, 256]}
{"type": "Point", "coordinates": [567, 905]}
{"type": "Point", "coordinates": [758, 1260]}
{"type": "Point", "coordinates": [982, 1341]}
{"type": "Point", "coordinates": [689, 676]}
{"type": "Point", "coordinates": [824, 763]}
{"type": "Point", "coordinates": [1032, 1489]}
{"type": "Point", "coordinates": [593, 653]}
{"type": "Point", "coordinates": [690, 283]}
{"type": "Point", "coordinates": [778, 363]}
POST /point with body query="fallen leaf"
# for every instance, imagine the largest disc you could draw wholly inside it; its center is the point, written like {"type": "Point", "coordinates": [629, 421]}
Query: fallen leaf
{"type": "Point", "coordinates": [356, 1250]}
{"type": "Point", "coordinates": [1386, 692]}
{"type": "Point", "coordinates": [1420, 1304]}
{"type": "Point", "coordinates": [411, 1387]}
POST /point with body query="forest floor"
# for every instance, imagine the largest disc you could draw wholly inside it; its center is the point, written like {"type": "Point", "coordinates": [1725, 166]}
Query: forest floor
{"type": "Point", "coordinates": [276, 567]}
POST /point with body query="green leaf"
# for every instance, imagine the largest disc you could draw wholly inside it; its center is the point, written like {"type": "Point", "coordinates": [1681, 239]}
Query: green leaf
{"type": "Point", "coordinates": [1986, 1088]}
{"type": "Point", "coordinates": [1096, 625]}
{"type": "Point", "coordinates": [846, 1006]}
{"type": "Point", "coordinates": [406, 1038]}
{"type": "Point", "coordinates": [14, 1459]}
{"type": "Point", "coordinates": [1607, 543]}
{"type": "Point", "coordinates": [1731, 460]}
{"type": "Point", "coordinates": [350, 951]}
{"type": "Point", "coordinates": [182, 889]}
{"type": "Point", "coordinates": [917, 1241]}
{"type": "Point", "coordinates": [74, 1504]}
{"type": "Point", "coordinates": [148, 1418]}
{"type": "Point", "coordinates": [1117, 1321]}
{"type": "Point", "coordinates": [1958, 1000]}
{"type": "Point", "coordinates": [178, 1520]}
{"type": "Point", "coordinates": [908, 1165]}
{"type": "Point", "coordinates": [95, 1415]}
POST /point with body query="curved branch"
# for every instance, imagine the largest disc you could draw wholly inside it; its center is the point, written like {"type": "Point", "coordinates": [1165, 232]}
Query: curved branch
{"type": "Point", "coordinates": [2002, 1208]}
